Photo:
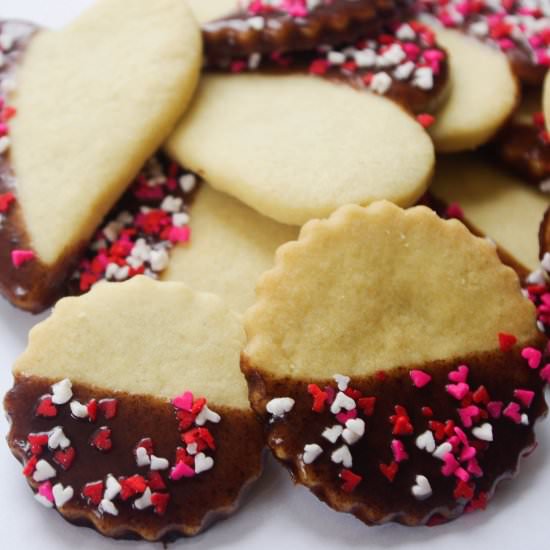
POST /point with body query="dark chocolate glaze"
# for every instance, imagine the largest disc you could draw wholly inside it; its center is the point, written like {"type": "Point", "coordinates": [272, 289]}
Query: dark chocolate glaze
{"type": "Point", "coordinates": [331, 22]}
{"type": "Point", "coordinates": [544, 234]}
{"type": "Point", "coordinates": [194, 502]}
{"type": "Point", "coordinates": [375, 500]}
{"type": "Point", "coordinates": [521, 148]}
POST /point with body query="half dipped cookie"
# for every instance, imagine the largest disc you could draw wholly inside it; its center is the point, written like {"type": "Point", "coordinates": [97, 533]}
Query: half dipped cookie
{"type": "Point", "coordinates": [396, 364]}
{"type": "Point", "coordinates": [130, 414]}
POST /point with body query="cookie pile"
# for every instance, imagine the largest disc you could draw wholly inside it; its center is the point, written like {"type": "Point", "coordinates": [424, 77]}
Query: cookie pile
{"type": "Point", "coordinates": [320, 226]}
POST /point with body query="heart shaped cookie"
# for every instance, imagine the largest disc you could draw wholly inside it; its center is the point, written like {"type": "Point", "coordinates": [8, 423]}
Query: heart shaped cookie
{"type": "Point", "coordinates": [327, 145]}
{"type": "Point", "coordinates": [90, 104]}
{"type": "Point", "coordinates": [146, 438]}
{"type": "Point", "coordinates": [343, 323]}
{"type": "Point", "coordinates": [231, 246]}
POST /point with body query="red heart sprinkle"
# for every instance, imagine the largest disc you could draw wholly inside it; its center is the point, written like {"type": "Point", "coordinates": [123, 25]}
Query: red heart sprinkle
{"type": "Point", "coordinates": [506, 341]}
{"type": "Point", "coordinates": [367, 404]}
{"type": "Point", "coordinates": [351, 480]}
{"type": "Point", "coordinates": [354, 394]}
{"type": "Point", "coordinates": [131, 486]}
{"type": "Point", "coordinates": [198, 404]}
{"type": "Point", "coordinates": [108, 407]}
{"type": "Point", "coordinates": [45, 407]}
{"type": "Point", "coordinates": [93, 492]}
{"type": "Point", "coordinates": [65, 458]}
{"type": "Point", "coordinates": [182, 456]}
{"type": "Point", "coordinates": [92, 410]}
{"type": "Point", "coordinates": [402, 426]}
{"type": "Point", "coordinates": [147, 444]}
{"type": "Point", "coordinates": [5, 200]}
{"type": "Point", "coordinates": [37, 442]}
{"type": "Point", "coordinates": [481, 395]}
{"type": "Point", "coordinates": [438, 428]}
{"type": "Point", "coordinates": [156, 483]}
{"type": "Point", "coordinates": [478, 503]}
{"type": "Point", "coordinates": [101, 439]}
{"type": "Point", "coordinates": [463, 490]}
{"type": "Point", "coordinates": [30, 466]}
{"type": "Point", "coordinates": [160, 502]}
{"type": "Point", "coordinates": [427, 412]}
{"type": "Point", "coordinates": [389, 470]}
{"type": "Point", "coordinates": [186, 419]}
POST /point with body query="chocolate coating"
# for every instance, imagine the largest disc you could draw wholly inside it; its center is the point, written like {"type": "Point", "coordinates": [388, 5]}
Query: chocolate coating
{"type": "Point", "coordinates": [377, 500]}
{"type": "Point", "coordinates": [544, 234]}
{"type": "Point", "coordinates": [194, 502]}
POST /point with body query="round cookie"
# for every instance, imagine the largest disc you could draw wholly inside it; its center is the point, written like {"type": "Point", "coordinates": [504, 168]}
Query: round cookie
{"type": "Point", "coordinates": [473, 113]}
{"type": "Point", "coordinates": [231, 246]}
{"type": "Point", "coordinates": [388, 355]}
{"type": "Point", "coordinates": [487, 196]}
{"type": "Point", "coordinates": [130, 413]}
{"type": "Point", "coordinates": [119, 70]}
{"type": "Point", "coordinates": [297, 147]}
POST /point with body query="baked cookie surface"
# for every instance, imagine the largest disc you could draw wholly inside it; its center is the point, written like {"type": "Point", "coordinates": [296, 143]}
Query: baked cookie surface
{"type": "Point", "coordinates": [388, 368]}
{"type": "Point", "coordinates": [130, 413]}
{"type": "Point", "coordinates": [81, 96]}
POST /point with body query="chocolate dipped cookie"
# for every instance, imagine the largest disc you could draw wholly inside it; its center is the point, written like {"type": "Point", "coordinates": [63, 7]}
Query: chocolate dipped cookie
{"type": "Point", "coordinates": [130, 414]}
{"type": "Point", "coordinates": [396, 364]}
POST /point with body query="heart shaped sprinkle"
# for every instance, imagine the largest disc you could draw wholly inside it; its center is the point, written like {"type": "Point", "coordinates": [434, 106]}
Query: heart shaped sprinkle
{"type": "Point", "coordinates": [92, 410]}
{"type": "Point", "coordinates": [45, 407]}
{"type": "Point", "coordinates": [342, 401]}
{"type": "Point", "coordinates": [458, 391]}
{"type": "Point", "coordinates": [37, 442]}
{"type": "Point", "coordinates": [144, 501]}
{"type": "Point", "coordinates": [545, 373]}
{"type": "Point", "coordinates": [525, 397]}
{"type": "Point", "coordinates": [350, 479]}
{"type": "Point", "coordinates": [342, 456]}
{"type": "Point", "coordinates": [442, 450]}
{"type": "Point", "coordinates": [43, 471]}
{"type": "Point", "coordinates": [107, 507]}
{"type": "Point", "coordinates": [367, 404]}
{"type": "Point", "coordinates": [279, 406]}
{"type": "Point", "coordinates": [206, 415]}
{"type": "Point", "coordinates": [422, 488]}
{"type": "Point", "coordinates": [450, 465]}
{"type": "Point", "coordinates": [62, 392]}
{"type": "Point", "coordinates": [78, 410]}
{"type": "Point", "coordinates": [112, 487]}
{"type": "Point", "coordinates": [495, 408]}
{"type": "Point", "coordinates": [398, 450]}
{"type": "Point", "coordinates": [203, 463]}
{"type": "Point", "coordinates": [158, 463]}
{"type": "Point", "coordinates": [65, 458]}
{"type": "Point", "coordinates": [341, 381]}
{"type": "Point", "coordinates": [20, 257]}
{"type": "Point", "coordinates": [533, 357]}
{"type": "Point", "coordinates": [45, 494]}
{"type": "Point", "coordinates": [389, 470]}
{"type": "Point", "coordinates": [57, 438]}
{"type": "Point", "coordinates": [320, 397]}
{"type": "Point", "coordinates": [463, 491]}
{"type": "Point", "coordinates": [481, 395]}
{"type": "Point", "coordinates": [183, 401]}
{"type": "Point", "coordinates": [93, 492]}
{"type": "Point", "coordinates": [420, 378]}
{"type": "Point", "coordinates": [181, 469]}
{"type": "Point", "coordinates": [30, 466]}
{"type": "Point", "coordinates": [467, 453]}
{"type": "Point", "coordinates": [460, 375]}
{"type": "Point", "coordinates": [108, 408]}
{"type": "Point", "coordinates": [506, 341]}
{"type": "Point", "coordinates": [468, 414]}
{"type": "Point", "coordinates": [344, 416]}
{"type": "Point", "coordinates": [155, 481]}
{"type": "Point", "coordinates": [354, 431]}
{"type": "Point", "coordinates": [474, 468]}
{"type": "Point", "coordinates": [62, 495]}
{"type": "Point", "coordinates": [426, 441]}
{"type": "Point", "coordinates": [160, 502]}
{"type": "Point", "coordinates": [101, 439]}
{"type": "Point", "coordinates": [130, 486]}
{"type": "Point", "coordinates": [512, 411]}
{"type": "Point", "coordinates": [142, 457]}
{"type": "Point", "coordinates": [402, 426]}
{"type": "Point", "coordinates": [312, 451]}
{"type": "Point", "coordinates": [332, 434]}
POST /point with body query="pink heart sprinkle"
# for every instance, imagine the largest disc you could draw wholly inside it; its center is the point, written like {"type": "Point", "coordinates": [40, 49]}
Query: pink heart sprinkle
{"type": "Point", "coordinates": [331, 394]}
{"type": "Point", "coordinates": [179, 234]}
{"type": "Point", "coordinates": [467, 454]}
{"type": "Point", "coordinates": [512, 411]}
{"type": "Point", "coordinates": [545, 373]}
{"type": "Point", "coordinates": [181, 470]}
{"type": "Point", "coordinates": [474, 468]}
{"type": "Point", "coordinates": [45, 489]}
{"type": "Point", "coordinates": [399, 452]}
{"type": "Point", "coordinates": [458, 391]}
{"type": "Point", "coordinates": [450, 465]}
{"type": "Point", "coordinates": [462, 474]}
{"type": "Point", "coordinates": [20, 257]}
{"type": "Point", "coordinates": [495, 408]}
{"type": "Point", "coordinates": [467, 414]}
{"type": "Point", "coordinates": [460, 374]}
{"type": "Point", "coordinates": [344, 416]}
{"type": "Point", "coordinates": [461, 435]}
{"type": "Point", "coordinates": [183, 401]}
{"type": "Point", "coordinates": [525, 397]}
{"type": "Point", "coordinates": [533, 357]}
{"type": "Point", "coordinates": [420, 378]}
{"type": "Point", "coordinates": [454, 441]}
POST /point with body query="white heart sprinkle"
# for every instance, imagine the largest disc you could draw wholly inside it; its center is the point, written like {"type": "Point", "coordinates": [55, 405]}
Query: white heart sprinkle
{"type": "Point", "coordinates": [525, 419]}
{"type": "Point", "coordinates": [144, 501]}
{"type": "Point", "coordinates": [484, 432]}
{"type": "Point", "coordinates": [142, 457]}
{"type": "Point", "coordinates": [422, 489]}
{"type": "Point", "coordinates": [342, 381]}
{"type": "Point", "coordinates": [43, 500]}
{"type": "Point", "coordinates": [203, 463]}
{"type": "Point", "coordinates": [78, 409]}
{"type": "Point", "coordinates": [206, 415]}
{"type": "Point", "coordinates": [62, 495]}
{"type": "Point", "coordinates": [342, 456]}
{"type": "Point", "coordinates": [43, 471]}
{"type": "Point", "coordinates": [191, 449]}
{"type": "Point", "coordinates": [188, 182]}
{"type": "Point", "coordinates": [106, 506]}
{"type": "Point", "coordinates": [280, 406]}
{"type": "Point", "coordinates": [57, 438]}
{"type": "Point", "coordinates": [311, 453]}
{"type": "Point", "coordinates": [442, 450]}
{"type": "Point", "coordinates": [342, 401]}
{"type": "Point", "coordinates": [332, 434]}
{"type": "Point", "coordinates": [426, 441]}
{"type": "Point", "coordinates": [159, 463]}
{"type": "Point", "coordinates": [112, 488]}
{"type": "Point", "coordinates": [355, 429]}
{"type": "Point", "coordinates": [62, 392]}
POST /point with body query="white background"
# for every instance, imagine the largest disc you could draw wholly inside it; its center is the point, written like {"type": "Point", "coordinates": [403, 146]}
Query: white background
{"type": "Point", "coordinates": [275, 514]}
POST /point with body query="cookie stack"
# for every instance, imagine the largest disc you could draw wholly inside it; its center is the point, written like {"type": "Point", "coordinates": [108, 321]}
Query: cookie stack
{"type": "Point", "coordinates": [320, 226]}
